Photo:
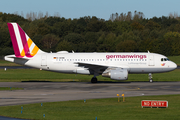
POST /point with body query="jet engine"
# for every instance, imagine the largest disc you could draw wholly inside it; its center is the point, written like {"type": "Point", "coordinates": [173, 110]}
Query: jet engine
{"type": "Point", "coordinates": [116, 73]}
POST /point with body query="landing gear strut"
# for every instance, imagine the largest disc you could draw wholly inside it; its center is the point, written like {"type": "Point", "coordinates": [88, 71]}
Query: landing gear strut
{"type": "Point", "coordinates": [94, 80]}
{"type": "Point", "coordinates": [150, 78]}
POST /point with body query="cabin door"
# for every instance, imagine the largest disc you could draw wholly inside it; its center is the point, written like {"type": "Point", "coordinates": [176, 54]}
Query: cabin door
{"type": "Point", "coordinates": [43, 60]}
{"type": "Point", "coordinates": [151, 60]}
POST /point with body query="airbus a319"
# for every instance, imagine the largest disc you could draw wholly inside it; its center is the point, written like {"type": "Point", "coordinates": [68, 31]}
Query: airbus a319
{"type": "Point", "coordinates": [115, 65]}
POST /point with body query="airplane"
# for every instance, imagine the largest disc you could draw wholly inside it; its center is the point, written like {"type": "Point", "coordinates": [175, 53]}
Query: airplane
{"type": "Point", "coordinates": [115, 65]}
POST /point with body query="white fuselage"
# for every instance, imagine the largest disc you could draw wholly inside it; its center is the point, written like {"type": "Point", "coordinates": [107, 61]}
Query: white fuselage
{"type": "Point", "coordinates": [70, 62]}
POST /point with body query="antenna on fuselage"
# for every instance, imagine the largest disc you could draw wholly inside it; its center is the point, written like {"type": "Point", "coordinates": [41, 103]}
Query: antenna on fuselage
{"type": "Point", "coordinates": [148, 51]}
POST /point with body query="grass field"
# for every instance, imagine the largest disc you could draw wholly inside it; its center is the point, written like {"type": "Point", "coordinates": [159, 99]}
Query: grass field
{"type": "Point", "coordinates": [19, 75]}
{"type": "Point", "coordinates": [103, 109]}
{"type": "Point", "coordinates": [6, 63]}
{"type": "Point", "coordinates": [175, 59]}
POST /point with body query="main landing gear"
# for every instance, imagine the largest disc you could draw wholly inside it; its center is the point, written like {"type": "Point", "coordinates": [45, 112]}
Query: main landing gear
{"type": "Point", "coordinates": [94, 80]}
{"type": "Point", "coordinates": [150, 78]}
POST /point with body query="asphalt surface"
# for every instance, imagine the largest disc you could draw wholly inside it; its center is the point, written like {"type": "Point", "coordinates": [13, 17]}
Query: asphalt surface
{"type": "Point", "coordinates": [38, 92]}
{"type": "Point", "coordinates": [8, 118]}
{"type": "Point", "coordinates": [16, 67]}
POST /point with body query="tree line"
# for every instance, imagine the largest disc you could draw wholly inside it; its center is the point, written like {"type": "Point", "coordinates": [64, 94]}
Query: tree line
{"type": "Point", "coordinates": [121, 33]}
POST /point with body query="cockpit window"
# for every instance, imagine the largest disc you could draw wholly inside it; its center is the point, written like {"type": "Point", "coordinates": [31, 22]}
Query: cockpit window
{"type": "Point", "coordinates": [161, 59]}
{"type": "Point", "coordinates": [165, 59]}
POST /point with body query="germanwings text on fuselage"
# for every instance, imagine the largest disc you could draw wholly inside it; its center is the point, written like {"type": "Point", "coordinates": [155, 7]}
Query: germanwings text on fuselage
{"type": "Point", "coordinates": [126, 56]}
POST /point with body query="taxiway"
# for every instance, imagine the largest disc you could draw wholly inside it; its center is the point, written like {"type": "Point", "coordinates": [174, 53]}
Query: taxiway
{"type": "Point", "coordinates": [38, 92]}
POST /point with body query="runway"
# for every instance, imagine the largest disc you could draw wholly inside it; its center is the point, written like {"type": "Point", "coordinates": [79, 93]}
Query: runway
{"type": "Point", "coordinates": [39, 92]}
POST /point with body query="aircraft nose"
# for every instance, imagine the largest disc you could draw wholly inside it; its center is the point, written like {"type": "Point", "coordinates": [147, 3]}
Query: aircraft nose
{"type": "Point", "coordinates": [173, 65]}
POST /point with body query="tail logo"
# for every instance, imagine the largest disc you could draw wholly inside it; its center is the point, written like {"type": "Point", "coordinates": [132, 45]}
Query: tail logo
{"type": "Point", "coordinates": [22, 44]}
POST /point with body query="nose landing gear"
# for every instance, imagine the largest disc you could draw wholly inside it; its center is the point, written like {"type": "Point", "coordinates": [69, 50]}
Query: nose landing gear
{"type": "Point", "coordinates": [150, 78]}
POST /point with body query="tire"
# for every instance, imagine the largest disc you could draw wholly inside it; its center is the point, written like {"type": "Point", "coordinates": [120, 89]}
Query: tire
{"type": "Point", "coordinates": [151, 80]}
{"type": "Point", "coordinates": [94, 80]}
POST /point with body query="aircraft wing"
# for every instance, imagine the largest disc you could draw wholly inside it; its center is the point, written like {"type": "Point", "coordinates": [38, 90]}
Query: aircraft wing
{"type": "Point", "coordinates": [98, 68]}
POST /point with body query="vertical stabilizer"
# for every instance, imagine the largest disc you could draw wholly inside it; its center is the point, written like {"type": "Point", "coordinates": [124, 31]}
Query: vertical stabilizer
{"type": "Point", "coordinates": [22, 44]}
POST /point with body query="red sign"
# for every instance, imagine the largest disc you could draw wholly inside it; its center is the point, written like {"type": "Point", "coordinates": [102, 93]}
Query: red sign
{"type": "Point", "coordinates": [154, 103]}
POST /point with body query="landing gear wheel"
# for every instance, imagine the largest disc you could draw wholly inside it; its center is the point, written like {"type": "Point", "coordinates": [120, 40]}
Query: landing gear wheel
{"type": "Point", "coordinates": [150, 78]}
{"type": "Point", "coordinates": [94, 80]}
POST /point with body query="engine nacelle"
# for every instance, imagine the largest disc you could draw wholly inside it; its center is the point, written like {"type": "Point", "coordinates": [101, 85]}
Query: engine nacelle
{"type": "Point", "coordinates": [116, 74]}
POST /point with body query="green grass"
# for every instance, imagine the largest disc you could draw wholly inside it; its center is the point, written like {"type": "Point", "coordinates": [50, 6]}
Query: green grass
{"type": "Point", "coordinates": [10, 88]}
{"type": "Point", "coordinates": [103, 109]}
{"type": "Point", "coordinates": [18, 75]}
{"type": "Point", "coordinates": [175, 59]}
{"type": "Point", "coordinates": [6, 63]}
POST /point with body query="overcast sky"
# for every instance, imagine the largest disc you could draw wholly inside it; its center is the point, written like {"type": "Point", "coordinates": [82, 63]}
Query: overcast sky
{"type": "Point", "coordinates": [99, 8]}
